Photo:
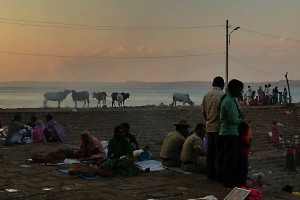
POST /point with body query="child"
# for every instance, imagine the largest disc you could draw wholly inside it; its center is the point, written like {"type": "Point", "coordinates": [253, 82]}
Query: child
{"type": "Point", "coordinates": [281, 141]}
{"type": "Point", "coordinates": [244, 148]}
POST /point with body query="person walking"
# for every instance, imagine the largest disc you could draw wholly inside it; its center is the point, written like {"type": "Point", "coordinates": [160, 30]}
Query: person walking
{"type": "Point", "coordinates": [210, 109]}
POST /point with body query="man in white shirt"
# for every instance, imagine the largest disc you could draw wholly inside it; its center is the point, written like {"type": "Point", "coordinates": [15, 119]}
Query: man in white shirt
{"type": "Point", "coordinates": [249, 94]}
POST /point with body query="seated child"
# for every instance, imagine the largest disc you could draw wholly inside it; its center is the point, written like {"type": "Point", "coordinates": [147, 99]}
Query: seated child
{"type": "Point", "coordinates": [281, 141]}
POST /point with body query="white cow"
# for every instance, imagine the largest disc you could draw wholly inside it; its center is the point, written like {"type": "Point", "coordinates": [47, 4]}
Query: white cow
{"type": "Point", "coordinates": [55, 96]}
{"type": "Point", "coordinates": [100, 96]}
{"type": "Point", "coordinates": [80, 96]}
{"type": "Point", "coordinates": [185, 98]}
{"type": "Point", "coordinates": [120, 100]}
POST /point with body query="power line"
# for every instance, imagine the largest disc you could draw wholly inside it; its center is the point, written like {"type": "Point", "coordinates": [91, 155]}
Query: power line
{"type": "Point", "coordinates": [268, 35]}
{"type": "Point", "coordinates": [48, 24]}
{"type": "Point", "coordinates": [107, 57]}
{"type": "Point", "coordinates": [253, 68]}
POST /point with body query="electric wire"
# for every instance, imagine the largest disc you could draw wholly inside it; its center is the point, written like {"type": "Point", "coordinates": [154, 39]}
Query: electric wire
{"type": "Point", "coordinates": [268, 35]}
{"type": "Point", "coordinates": [108, 57]}
{"type": "Point", "coordinates": [253, 68]}
{"type": "Point", "coordinates": [48, 24]}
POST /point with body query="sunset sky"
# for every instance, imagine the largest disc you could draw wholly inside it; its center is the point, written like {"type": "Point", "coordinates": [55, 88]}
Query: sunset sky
{"type": "Point", "coordinates": [148, 40]}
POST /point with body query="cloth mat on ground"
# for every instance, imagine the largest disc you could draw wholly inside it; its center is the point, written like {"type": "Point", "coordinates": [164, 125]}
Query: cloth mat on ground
{"type": "Point", "coordinates": [66, 161]}
{"type": "Point", "coordinates": [65, 171]}
{"type": "Point", "coordinates": [178, 169]}
{"type": "Point", "coordinates": [153, 165]}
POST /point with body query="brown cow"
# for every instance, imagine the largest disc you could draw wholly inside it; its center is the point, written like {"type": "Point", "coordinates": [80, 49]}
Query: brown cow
{"type": "Point", "coordinates": [100, 96]}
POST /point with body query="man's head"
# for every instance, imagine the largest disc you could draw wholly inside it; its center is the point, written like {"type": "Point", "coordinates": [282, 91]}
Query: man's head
{"type": "Point", "coordinates": [18, 118]}
{"type": "Point", "coordinates": [200, 130]}
{"type": "Point", "coordinates": [182, 126]}
{"type": "Point", "coordinates": [235, 87]}
{"type": "Point", "coordinates": [49, 117]}
{"type": "Point", "coordinates": [33, 119]}
{"type": "Point", "coordinates": [126, 127]}
{"type": "Point", "coordinates": [119, 131]}
{"type": "Point", "coordinates": [218, 82]}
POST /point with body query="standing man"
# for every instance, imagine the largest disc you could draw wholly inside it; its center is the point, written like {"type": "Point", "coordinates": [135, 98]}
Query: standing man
{"type": "Point", "coordinates": [172, 145]}
{"type": "Point", "coordinates": [230, 120]}
{"type": "Point", "coordinates": [249, 95]}
{"type": "Point", "coordinates": [210, 110]}
{"type": "Point", "coordinates": [270, 94]}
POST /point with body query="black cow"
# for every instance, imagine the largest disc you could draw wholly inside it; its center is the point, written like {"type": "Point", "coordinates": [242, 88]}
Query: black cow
{"type": "Point", "coordinates": [114, 98]}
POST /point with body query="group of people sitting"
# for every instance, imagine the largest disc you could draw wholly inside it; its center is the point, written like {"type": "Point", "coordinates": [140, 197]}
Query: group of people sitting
{"type": "Point", "coordinates": [122, 143]}
{"type": "Point", "coordinates": [184, 149]}
{"type": "Point", "coordinates": [36, 130]}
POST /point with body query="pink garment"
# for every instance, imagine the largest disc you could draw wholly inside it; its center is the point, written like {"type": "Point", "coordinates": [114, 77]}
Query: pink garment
{"type": "Point", "coordinates": [38, 134]}
{"type": "Point", "coordinates": [261, 96]}
{"type": "Point", "coordinates": [92, 147]}
{"type": "Point", "coordinates": [275, 134]}
{"type": "Point", "coordinates": [255, 194]}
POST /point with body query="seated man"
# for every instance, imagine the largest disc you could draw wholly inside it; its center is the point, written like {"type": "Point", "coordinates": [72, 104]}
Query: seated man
{"type": "Point", "coordinates": [16, 131]}
{"type": "Point", "coordinates": [32, 122]}
{"type": "Point", "coordinates": [193, 156]}
{"type": "Point", "coordinates": [172, 145]}
{"type": "Point", "coordinates": [53, 131]}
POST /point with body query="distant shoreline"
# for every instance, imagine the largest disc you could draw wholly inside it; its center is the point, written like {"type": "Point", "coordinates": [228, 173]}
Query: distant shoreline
{"type": "Point", "coordinates": [126, 108]}
{"type": "Point", "coordinates": [280, 83]}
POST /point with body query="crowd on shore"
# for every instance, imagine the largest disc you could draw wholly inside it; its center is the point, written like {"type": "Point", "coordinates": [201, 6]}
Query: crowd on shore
{"type": "Point", "coordinates": [264, 96]}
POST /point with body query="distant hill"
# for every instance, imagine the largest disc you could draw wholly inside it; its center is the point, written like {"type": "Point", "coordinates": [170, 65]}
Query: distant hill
{"type": "Point", "coordinates": [61, 84]}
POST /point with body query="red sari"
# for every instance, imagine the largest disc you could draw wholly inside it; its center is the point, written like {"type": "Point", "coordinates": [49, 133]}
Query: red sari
{"type": "Point", "coordinates": [275, 134]}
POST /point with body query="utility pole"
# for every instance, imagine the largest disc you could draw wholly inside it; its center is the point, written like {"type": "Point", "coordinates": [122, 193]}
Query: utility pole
{"type": "Point", "coordinates": [290, 97]}
{"type": "Point", "coordinates": [227, 44]}
{"type": "Point", "coordinates": [227, 47]}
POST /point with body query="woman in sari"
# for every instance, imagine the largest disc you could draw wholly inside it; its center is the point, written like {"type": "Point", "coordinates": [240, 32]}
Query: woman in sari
{"type": "Point", "coordinates": [275, 132]}
{"type": "Point", "coordinates": [90, 147]}
{"type": "Point", "coordinates": [261, 96]}
{"type": "Point", "coordinates": [53, 131]}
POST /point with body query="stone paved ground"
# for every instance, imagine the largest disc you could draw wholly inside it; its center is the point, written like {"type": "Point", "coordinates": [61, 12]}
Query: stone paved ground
{"type": "Point", "coordinates": [151, 124]}
{"type": "Point", "coordinates": [31, 182]}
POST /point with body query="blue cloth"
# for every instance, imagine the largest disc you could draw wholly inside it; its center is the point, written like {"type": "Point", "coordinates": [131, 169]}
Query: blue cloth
{"type": "Point", "coordinates": [66, 171]}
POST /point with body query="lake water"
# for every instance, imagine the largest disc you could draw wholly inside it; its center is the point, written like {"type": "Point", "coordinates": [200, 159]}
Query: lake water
{"type": "Point", "coordinates": [140, 95]}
